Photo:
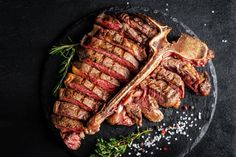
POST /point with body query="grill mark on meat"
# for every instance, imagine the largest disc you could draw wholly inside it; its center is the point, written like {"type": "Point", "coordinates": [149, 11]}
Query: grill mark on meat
{"type": "Point", "coordinates": [192, 78]}
{"type": "Point", "coordinates": [94, 79]}
{"type": "Point", "coordinates": [138, 24]}
{"type": "Point", "coordinates": [85, 86]}
{"type": "Point", "coordinates": [113, 23]}
{"type": "Point", "coordinates": [90, 70]}
{"type": "Point", "coordinates": [165, 95]}
{"type": "Point", "coordinates": [78, 98]}
{"type": "Point", "coordinates": [65, 124]}
{"type": "Point", "coordinates": [70, 110]}
{"type": "Point", "coordinates": [115, 69]}
{"type": "Point", "coordinates": [106, 49]}
{"type": "Point", "coordinates": [106, 70]}
{"type": "Point", "coordinates": [173, 79]}
{"type": "Point", "coordinates": [120, 41]}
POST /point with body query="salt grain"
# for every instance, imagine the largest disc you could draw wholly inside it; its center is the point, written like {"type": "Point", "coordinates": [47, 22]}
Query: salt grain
{"type": "Point", "coordinates": [224, 41]}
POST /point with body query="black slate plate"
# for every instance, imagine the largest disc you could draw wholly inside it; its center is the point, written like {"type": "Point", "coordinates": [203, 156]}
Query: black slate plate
{"type": "Point", "coordinates": [178, 144]}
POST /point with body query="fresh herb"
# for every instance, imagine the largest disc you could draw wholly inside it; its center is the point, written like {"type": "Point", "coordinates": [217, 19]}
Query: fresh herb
{"type": "Point", "coordinates": [116, 147]}
{"type": "Point", "coordinates": [67, 52]}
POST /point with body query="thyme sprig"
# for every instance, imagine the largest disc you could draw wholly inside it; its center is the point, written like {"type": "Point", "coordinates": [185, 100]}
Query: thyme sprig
{"type": "Point", "coordinates": [67, 52]}
{"type": "Point", "coordinates": [116, 147]}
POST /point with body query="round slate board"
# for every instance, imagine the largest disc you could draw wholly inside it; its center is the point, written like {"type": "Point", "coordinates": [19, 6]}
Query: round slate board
{"type": "Point", "coordinates": [194, 122]}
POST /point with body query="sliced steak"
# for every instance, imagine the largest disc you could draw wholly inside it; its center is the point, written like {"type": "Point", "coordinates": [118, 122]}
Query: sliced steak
{"type": "Point", "coordinates": [106, 49]}
{"type": "Point", "coordinates": [163, 93]}
{"type": "Point", "coordinates": [120, 41]}
{"type": "Point", "coordinates": [118, 71]}
{"type": "Point", "coordinates": [85, 86]}
{"type": "Point", "coordinates": [139, 24]}
{"type": "Point", "coordinates": [109, 21]}
{"type": "Point", "coordinates": [198, 82]}
{"type": "Point", "coordinates": [105, 70]}
{"type": "Point", "coordinates": [113, 23]}
{"type": "Point", "coordinates": [65, 124]}
{"type": "Point", "coordinates": [173, 79]}
{"type": "Point", "coordinates": [100, 79]}
{"type": "Point", "coordinates": [85, 102]}
{"type": "Point", "coordinates": [70, 110]}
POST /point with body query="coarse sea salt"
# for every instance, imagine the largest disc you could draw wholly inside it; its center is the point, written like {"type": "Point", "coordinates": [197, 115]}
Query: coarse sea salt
{"type": "Point", "coordinates": [165, 134]}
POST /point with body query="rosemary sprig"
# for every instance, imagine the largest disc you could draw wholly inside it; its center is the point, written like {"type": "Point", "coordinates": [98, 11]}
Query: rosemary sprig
{"type": "Point", "coordinates": [67, 52]}
{"type": "Point", "coordinates": [116, 147]}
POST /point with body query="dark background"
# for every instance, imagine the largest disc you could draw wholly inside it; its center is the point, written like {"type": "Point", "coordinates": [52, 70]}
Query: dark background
{"type": "Point", "coordinates": [29, 28]}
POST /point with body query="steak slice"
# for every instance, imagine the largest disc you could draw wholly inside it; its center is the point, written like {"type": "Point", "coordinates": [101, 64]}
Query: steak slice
{"type": "Point", "coordinates": [85, 86]}
{"type": "Point", "coordinates": [70, 110]}
{"type": "Point", "coordinates": [120, 72]}
{"type": "Point", "coordinates": [100, 79]}
{"type": "Point", "coordinates": [106, 49]}
{"type": "Point", "coordinates": [105, 70]}
{"type": "Point", "coordinates": [113, 23]}
{"type": "Point", "coordinates": [120, 41]}
{"type": "Point", "coordinates": [163, 93]}
{"type": "Point", "coordinates": [109, 21]}
{"type": "Point", "coordinates": [171, 78]}
{"type": "Point", "coordinates": [65, 124]}
{"type": "Point", "coordinates": [78, 98]}
{"type": "Point", "coordinates": [198, 82]}
{"type": "Point", "coordinates": [136, 22]}
{"type": "Point", "coordinates": [72, 139]}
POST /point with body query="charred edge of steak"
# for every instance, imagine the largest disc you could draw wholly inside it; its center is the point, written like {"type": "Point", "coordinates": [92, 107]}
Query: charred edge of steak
{"type": "Point", "coordinates": [85, 86]}
{"type": "Point", "coordinates": [70, 110]}
{"type": "Point", "coordinates": [80, 99]}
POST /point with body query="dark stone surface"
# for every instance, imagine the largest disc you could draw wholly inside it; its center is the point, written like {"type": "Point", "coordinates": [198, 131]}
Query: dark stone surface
{"type": "Point", "coordinates": [29, 28]}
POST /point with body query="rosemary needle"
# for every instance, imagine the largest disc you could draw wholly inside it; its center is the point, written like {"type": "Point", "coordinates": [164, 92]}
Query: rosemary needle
{"type": "Point", "coordinates": [67, 52]}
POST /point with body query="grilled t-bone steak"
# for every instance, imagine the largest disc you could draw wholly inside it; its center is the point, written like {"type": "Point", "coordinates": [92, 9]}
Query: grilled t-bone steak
{"type": "Point", "coordinates": [127, 69]}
